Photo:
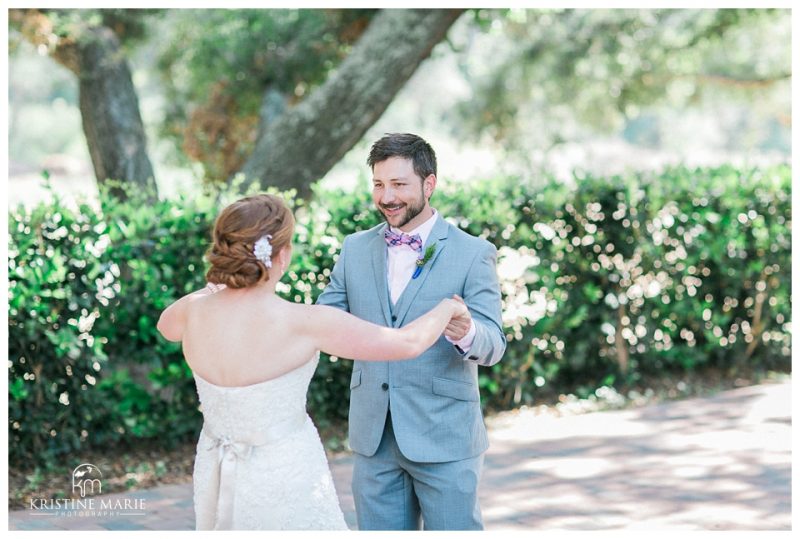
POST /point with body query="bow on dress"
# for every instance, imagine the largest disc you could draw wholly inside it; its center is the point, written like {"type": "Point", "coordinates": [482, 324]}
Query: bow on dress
{"type": "Point", "coordinates": [230, 453]}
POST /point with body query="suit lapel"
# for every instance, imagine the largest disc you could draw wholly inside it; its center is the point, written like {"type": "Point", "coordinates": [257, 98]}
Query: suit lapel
{"type": "Point", "coordinates": [378, 250]}
{"type": "Point", "coordinates": [438, 236]}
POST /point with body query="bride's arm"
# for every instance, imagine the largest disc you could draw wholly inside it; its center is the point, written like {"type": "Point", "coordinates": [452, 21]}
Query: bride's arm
{"type": "Point", "coordinates": [341, 334]}
{"type": "Point", "coordinates": [172, 321]}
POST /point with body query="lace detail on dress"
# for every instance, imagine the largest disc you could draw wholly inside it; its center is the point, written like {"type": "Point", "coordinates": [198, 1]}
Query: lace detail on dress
{"type": "Point", "coordinates": [260, 463]}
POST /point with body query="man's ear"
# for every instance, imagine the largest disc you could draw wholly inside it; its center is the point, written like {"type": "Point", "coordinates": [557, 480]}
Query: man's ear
{"type": "Point", "coordinates": [429, 185]}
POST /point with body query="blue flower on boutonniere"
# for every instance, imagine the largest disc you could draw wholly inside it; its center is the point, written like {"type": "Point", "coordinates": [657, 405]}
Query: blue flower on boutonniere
{"type": "Point", "coordinates": [421, 261]}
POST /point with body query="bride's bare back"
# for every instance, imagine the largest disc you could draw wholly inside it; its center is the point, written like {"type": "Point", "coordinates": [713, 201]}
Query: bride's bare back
{"type": "Point", "coordinates": [237, 338]}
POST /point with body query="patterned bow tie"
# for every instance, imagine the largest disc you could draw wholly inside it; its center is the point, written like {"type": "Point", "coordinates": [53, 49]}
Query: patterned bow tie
{"type": "Point", "coordinates": [393, 240]}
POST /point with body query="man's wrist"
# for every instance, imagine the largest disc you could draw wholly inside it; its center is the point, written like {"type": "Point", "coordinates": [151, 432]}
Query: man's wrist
{"type": "Point", "coordinates": [464, 344]}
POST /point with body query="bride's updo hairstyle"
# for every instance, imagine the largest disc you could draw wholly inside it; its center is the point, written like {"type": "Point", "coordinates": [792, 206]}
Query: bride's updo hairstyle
{"type": "Point", "coordinates": [237, 229]}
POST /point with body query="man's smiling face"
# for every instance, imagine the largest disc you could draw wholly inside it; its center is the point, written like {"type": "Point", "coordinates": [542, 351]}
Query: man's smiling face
{"type": "Point", "coordinates": [400, 194]}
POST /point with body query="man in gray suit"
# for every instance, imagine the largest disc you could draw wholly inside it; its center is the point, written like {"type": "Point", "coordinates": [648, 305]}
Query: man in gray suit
{"type": "Point", "coordinates": [416, 426]}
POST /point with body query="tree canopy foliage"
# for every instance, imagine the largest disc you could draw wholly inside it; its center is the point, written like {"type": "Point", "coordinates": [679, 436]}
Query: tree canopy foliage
{"type": "Point", "coordinates": [603, 66]}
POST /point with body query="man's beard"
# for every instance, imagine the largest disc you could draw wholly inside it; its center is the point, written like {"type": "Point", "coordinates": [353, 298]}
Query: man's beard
{"type": "Point", "coordinates": [412, 210]}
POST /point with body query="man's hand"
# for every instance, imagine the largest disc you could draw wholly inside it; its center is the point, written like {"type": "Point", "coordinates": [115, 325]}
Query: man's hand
{"type": "Point", "coordinates": [458, 327]}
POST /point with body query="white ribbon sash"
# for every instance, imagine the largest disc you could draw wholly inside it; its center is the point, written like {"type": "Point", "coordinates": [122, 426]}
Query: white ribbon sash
{"type": "Point", "coordinates": [230, 452]}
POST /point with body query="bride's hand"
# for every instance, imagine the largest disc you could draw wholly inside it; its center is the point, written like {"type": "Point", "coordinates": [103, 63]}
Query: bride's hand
{"type": "Point", "coordinates": [459, 307]}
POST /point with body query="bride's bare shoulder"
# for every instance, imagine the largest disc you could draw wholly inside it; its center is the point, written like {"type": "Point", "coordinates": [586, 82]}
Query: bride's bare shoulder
{"type": "Point", "coordinates": [299, 309]}
{"type": "Point", "coordinates": [306, 314]}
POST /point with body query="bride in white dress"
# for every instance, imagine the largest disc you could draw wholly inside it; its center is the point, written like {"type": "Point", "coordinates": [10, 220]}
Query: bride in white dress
{"type": "Point", "coordinates": [260, 463]}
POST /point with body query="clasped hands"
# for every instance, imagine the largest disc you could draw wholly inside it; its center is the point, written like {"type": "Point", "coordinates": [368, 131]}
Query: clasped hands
{"type": "Point", "coordinates": [459, 325]}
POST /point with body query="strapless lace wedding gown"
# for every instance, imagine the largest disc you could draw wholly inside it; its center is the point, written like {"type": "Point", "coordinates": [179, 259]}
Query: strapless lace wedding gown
{"type": "Point", "coordinates": [260, 463]}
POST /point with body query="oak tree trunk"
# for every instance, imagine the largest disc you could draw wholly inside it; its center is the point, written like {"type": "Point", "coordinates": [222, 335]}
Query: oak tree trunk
{"type": "Point", "coordinates": [110, 112]}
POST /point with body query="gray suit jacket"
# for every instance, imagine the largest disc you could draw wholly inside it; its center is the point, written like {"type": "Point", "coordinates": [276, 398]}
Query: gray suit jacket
{"type": "Point", "coordinates": [433, 398]}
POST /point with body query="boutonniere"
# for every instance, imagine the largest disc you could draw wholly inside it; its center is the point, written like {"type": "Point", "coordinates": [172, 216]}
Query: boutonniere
{"type": "Point", "coordinates": [421, 261]}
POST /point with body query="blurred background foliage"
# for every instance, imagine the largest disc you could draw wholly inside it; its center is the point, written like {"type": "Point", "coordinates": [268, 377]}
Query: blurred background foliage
{"type": "Point", "coordinates": [557, 72]}
{"type": "Point", "coordinates": [607, 285]}
{"type": "Point", "coordinates": [530, 90]}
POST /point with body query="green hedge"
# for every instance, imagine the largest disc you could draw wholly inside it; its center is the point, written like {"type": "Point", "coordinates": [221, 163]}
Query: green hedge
{"type": "Point", "coordinates": [603, 283]}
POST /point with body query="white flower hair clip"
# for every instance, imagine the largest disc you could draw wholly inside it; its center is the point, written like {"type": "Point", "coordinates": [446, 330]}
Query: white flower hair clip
{"type": "Point", "coordinates": [263, 250]}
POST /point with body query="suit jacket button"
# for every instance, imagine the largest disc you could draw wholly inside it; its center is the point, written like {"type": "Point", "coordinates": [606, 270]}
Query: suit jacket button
{"type": "Point", "coordinates": [473, 357]}
{"type": "Point", "coordinates": [394, 318]}
{"type": "Point", "coordinates": [385, 386]}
